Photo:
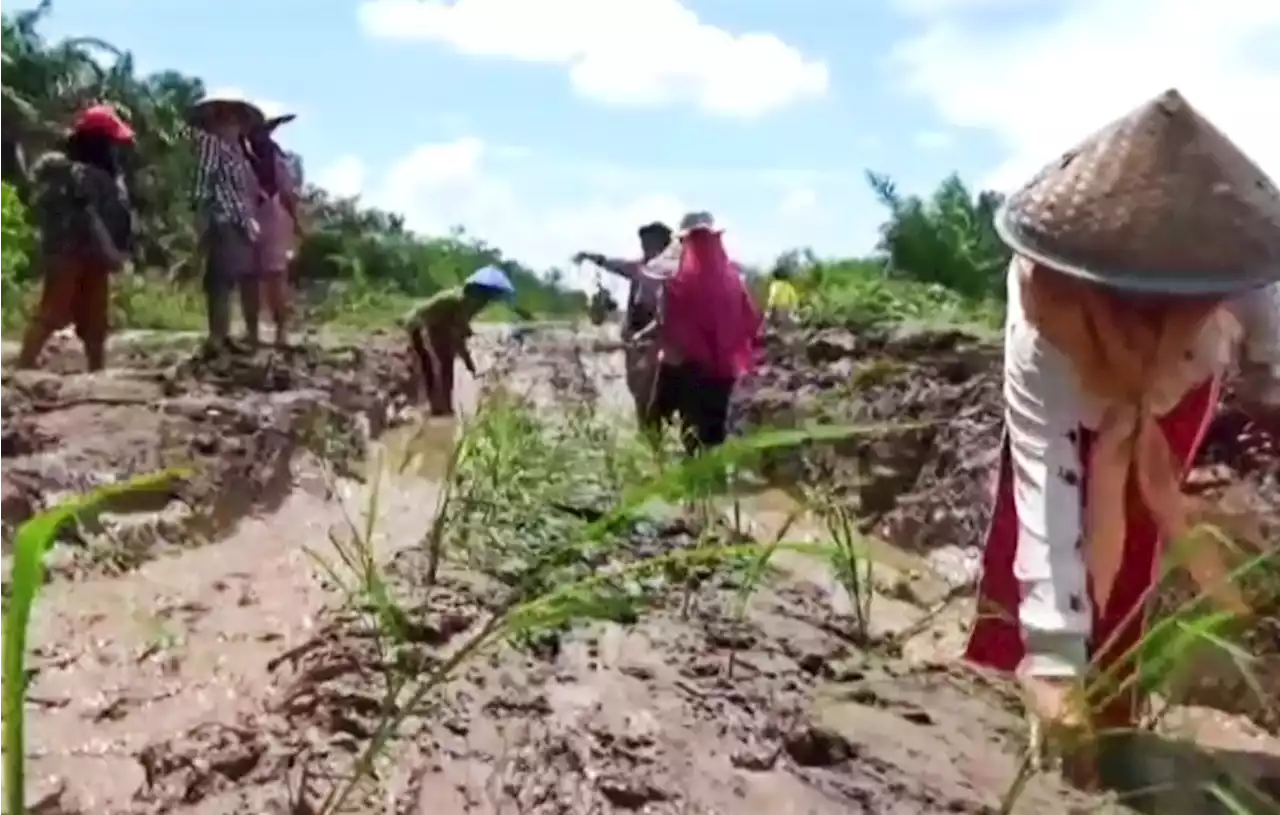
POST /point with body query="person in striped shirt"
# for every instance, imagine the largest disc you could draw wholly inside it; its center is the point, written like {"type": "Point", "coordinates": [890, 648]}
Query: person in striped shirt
{"type": "Point", "coordinates": [226, 195]}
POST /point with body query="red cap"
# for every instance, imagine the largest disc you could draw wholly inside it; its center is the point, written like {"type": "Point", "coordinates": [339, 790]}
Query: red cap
{"type": "Point", "coordinates": [104, 121]}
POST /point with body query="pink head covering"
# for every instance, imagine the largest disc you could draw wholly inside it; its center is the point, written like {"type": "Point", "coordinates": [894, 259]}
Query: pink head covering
{"type": "Point", "coordinates": [710, 318]}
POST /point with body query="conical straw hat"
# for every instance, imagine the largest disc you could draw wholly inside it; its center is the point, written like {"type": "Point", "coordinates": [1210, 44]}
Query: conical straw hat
{"type": "Point", "coordinates": [1158, 201]}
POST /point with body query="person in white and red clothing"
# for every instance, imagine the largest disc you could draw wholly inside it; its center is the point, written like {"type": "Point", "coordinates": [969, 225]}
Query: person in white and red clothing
{"type": "Point", "coordinates": [1146, 265]}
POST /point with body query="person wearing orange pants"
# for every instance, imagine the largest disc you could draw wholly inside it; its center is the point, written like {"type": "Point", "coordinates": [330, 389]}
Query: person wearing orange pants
{"type": "Point", "coordinates": [86, 230]}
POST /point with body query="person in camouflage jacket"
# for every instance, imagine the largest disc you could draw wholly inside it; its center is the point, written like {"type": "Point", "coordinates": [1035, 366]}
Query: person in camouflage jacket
{"type": "Point", "coordinates": [85, 224]}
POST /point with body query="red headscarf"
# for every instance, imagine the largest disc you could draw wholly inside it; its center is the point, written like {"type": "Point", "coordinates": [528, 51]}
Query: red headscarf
{"type": "Point", "coordinates": [710, 318]}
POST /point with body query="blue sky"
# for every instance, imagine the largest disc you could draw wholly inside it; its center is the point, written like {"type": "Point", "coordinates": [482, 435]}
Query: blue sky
{"type": "Point", "coordinates": [545, 126]}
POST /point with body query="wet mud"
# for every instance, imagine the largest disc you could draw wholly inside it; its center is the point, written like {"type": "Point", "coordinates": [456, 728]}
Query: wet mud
{"type": "Point", "coordinates": [254, 672]}
{"type": "Point", "coordinates": [235, 423]}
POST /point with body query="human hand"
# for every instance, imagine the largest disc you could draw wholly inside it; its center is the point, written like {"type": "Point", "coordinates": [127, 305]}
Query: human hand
{"type": "Point", "coordinates": [1061, 728]}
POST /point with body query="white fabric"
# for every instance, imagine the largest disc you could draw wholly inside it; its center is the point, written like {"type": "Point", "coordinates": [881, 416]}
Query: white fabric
{"type": "Point", "coordinates": [1044, 410]}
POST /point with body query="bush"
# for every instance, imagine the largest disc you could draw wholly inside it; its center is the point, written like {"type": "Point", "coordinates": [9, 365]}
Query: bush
{"type": "Point", "coordinates": [15, 260]}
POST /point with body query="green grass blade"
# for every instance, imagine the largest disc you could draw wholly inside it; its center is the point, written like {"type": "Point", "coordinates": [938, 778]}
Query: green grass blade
{"type": "Point", "coordinates": [30, 544]}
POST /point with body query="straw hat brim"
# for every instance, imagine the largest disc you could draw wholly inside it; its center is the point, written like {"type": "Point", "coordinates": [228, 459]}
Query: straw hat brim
{"type": "Point", "coordinates": [249, 114]}
{"type": "Point", "coordinates": [1135, 280]}
{"type": "Point", "coordinates": [276, 121]}
{"type": "Point", "coordinates": [1159, 201]}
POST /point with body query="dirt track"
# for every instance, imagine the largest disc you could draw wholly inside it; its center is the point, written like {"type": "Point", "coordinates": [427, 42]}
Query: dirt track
{"type": "Point", "coordinates": [201, 665]}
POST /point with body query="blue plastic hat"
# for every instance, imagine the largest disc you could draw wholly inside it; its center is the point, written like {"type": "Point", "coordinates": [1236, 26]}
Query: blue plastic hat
{"type": "Point", "coordinates": [493, 279]}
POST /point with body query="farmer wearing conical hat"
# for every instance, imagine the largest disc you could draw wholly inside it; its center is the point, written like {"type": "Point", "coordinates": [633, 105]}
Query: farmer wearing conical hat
{"type": "Point", "coordinates": [278, 221]}
{"type": "Point", "coordinates": [226, 197]}
{"type": "Point", "coordinates": [1146, 260]}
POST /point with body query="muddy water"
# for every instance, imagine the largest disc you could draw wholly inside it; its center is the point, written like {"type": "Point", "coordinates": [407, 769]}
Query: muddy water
{"type": "Point", "coordinates": [187, 639]}
{"type": "Point", "coordinates": [418, 450]}
{"type": "Point", "coordinates": [123, 661]}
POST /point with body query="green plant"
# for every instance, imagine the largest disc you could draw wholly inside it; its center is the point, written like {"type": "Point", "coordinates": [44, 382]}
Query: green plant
{"type": "Point", "coordinates": [30, 544]}
{"type": "Point", "coordinates": [1162, 656]}
{"type": "Point", "coordinates": [16, 257]}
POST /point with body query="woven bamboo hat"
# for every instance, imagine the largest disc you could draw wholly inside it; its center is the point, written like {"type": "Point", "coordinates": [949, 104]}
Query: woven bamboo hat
{"type": "Point", "coordinates": [1157, 201]}
{"type": "Point", "coordinates": [247, 115]}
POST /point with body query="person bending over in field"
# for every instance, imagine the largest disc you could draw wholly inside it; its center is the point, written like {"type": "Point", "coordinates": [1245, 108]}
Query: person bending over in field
{"type": "Point", "coordinates": [1145, 261]}
{"type": "Point", "coordinates": [440, 326]}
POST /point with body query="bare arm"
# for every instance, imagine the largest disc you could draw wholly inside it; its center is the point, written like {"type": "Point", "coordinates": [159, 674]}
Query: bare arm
{"type": "Point", "coordinates": [464, 353]}
{"type": "Point", "coordinates": [618, 266]}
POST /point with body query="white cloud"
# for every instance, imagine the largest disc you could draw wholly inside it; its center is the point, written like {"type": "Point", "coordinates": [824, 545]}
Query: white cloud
{"type": "Point", "coordinates": [799, 202]}
{"type": "Point", "coordinates": [932, 7]}
{"type": "Point", "coordinates": [345, 177]}
{"type": "Point", "coordinates": [1040, 83]}
{"type": "Point", "coordinates": [932, 139]}
{"type": "Point", "coordinates": [439, 186]}
{"type": "Point", "coordinates": [639, 53]}
{"type": "Point", "coordinates": [469, 182]}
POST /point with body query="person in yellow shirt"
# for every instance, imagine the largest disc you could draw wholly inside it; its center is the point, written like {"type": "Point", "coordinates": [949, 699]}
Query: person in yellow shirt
{"type": "Point", "coordinates": [784, 298]}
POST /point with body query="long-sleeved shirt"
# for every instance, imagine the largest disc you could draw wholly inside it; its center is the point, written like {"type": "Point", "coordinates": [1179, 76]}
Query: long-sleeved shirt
{"type": "Point", "coordinates": [79, 207]}
{"type": "Point", "coordinates": [225, 189]}
{"type": "Point", "coordinates": [1045, 405]}
{"type": "Point", "coordinates": [647, 279]}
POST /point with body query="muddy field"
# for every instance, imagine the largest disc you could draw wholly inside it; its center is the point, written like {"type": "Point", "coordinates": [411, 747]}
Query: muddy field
{"type": "Point", "coordinates": [191, 655]}
{"type": "Point", "coordinates": [926, 489]}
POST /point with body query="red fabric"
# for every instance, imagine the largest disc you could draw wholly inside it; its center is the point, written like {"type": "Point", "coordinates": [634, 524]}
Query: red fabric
{"type": "Point", "coordinates": [710, 318]}
{"type": "Point", "coordinates": [996, 640]}
{"type": "Point", "coordinates": [104, 121]}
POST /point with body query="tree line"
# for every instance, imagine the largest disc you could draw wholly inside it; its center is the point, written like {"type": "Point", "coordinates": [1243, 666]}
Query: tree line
{"type": "Point", "coordinates": [932, 251]}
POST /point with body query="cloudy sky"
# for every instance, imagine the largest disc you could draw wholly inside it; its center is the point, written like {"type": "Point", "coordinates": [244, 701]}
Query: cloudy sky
{"type": "Point", "coordinates": [546, 126]}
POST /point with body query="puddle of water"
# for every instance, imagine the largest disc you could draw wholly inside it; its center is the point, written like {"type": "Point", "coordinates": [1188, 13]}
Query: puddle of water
{"type": "Point", "coordinates": [775, 510]}
{"type": "Point", "coordinates": [422, 449]}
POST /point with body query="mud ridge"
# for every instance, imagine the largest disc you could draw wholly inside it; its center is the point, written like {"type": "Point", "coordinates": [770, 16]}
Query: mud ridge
{"type": "Point", "coordinates": [237, 423]}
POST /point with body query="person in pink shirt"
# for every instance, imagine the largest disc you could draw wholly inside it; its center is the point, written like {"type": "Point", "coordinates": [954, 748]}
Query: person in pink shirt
{"type": "Point", "coordinates": [707, 329]}
{"type": "Point", "coordinates": [277, 214]}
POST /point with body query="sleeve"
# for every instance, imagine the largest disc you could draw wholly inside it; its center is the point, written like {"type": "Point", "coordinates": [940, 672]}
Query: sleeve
{"type": "Point", "coordinates": [86, 194]}
{"type": "Point", "coordinates": [49, 194]}
{"type": "Point", "coordinates": [1259, 315]}
{"type": "Point", "coordinates": [206, 157]}
{"type": "Point", "coordinates": [619, 266]}
{"type": "Point", "coordinates": [234, 199]}
{"type": "Point", "coordinates": [1042, 404]}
